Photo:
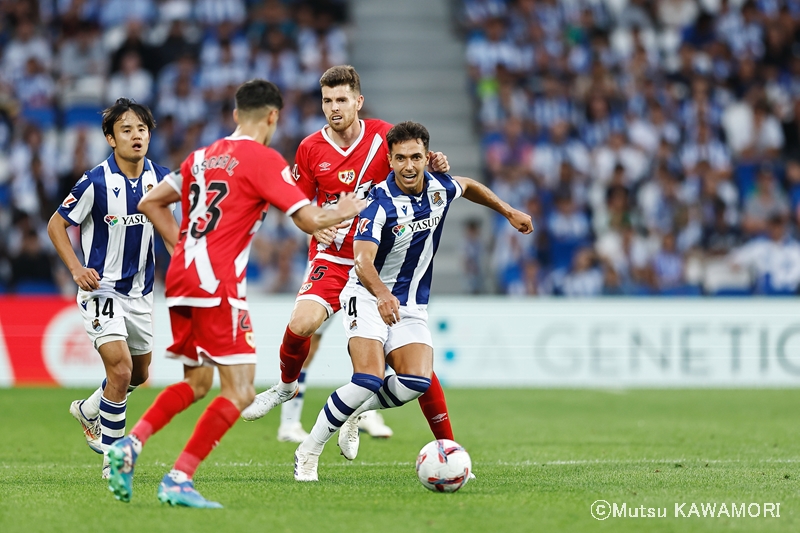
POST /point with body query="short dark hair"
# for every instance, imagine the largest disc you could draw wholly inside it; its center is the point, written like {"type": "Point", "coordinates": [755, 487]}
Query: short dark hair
{"type": "Point", "coordinates": [408, 131]}
{"type": "Point", "coordinates": [257, 94]}
{"type": "Point", "coordinates": [113, 113]}
{"type": "Point", "coordinates": [341, 75]}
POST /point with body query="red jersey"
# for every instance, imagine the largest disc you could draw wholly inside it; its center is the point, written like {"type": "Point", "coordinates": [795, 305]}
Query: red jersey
{"type": "Point", "coordinates": [325, 170]}
{"type": "Point", "coordinates": [226, 189]}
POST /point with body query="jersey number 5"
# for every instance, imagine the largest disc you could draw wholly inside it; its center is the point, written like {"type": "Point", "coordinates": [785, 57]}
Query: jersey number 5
{"type": "Point", "coordinates": [218, 190]}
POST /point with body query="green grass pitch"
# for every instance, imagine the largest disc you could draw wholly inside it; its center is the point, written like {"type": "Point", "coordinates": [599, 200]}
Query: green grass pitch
{"type": "Point", "coordinates": [542, 458]}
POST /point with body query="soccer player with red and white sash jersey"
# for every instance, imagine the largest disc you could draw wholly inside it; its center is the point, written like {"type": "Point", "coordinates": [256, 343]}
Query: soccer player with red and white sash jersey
{"type": "Point", "coordinates": [348, 154]}
{"type": "Point", "coordinates": [224, 189]}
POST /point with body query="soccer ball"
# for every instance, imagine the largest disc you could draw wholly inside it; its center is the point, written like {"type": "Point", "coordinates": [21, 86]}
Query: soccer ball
{"type": "Point", "coordinates": [443, 466]}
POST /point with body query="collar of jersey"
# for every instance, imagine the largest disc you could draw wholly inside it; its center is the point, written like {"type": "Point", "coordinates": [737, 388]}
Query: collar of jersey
{"type": "Point", "coordinates": [339, 148]}
{"type": "Point", "coordinates": [395, 189]}
{"type": "Point", "coordinates": [239, 138]}
{"type": "Point", "coordinates": [112, 165]}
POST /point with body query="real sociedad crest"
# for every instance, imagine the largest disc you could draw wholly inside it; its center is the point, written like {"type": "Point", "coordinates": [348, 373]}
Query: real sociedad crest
{"type": "Point", "coordinates": [436, 199]}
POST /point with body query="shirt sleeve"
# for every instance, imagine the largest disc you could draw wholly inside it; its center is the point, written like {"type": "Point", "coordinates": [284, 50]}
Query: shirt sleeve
{"type": "Point", "coordinates": [302, 173]}
{"type": "Point", "coordinates": [453, 188]}
{"type": "Point", "coordinates": [79, 202]}
{"type": "Point", "coordinates": [277, 186]}
{"type": "Point", "coordinates": [371, 220]}
{"type": "Point", "coordinates": [175, 180]}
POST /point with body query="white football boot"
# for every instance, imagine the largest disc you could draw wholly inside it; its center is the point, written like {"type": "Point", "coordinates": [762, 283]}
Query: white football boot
{"type": "Point", "coordinates": [267, 401]}
{"type": "Point", "coordinates": [291, 432]}
{"type": "Point", "coordinates": [91, 426]}
{"type": "Point", "coordinates": [305, 465]}
{"type": "Point", "coordinates": [372, 423]}
{"type": "Point", "coordinates": [348, 437]}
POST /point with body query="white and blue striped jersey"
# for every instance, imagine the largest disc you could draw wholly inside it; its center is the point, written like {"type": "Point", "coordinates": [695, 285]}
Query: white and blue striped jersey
{"type": "Point", "coordinates": [407, 230]}
{"type": "Point", "coordinates": [117, 240]}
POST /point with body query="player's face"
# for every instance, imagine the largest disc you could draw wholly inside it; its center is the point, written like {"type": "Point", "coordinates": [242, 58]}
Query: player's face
{"type": "Point", "coordinates": [408, 160]}
{"type": "Point", "coordinates": [131, 137]}
{"type": "Point", "coordinates": [341, 105]}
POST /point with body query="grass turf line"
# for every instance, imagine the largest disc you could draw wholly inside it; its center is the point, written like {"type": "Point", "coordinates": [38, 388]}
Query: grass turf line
{"type": "Point", "coordinates": [541, 456]}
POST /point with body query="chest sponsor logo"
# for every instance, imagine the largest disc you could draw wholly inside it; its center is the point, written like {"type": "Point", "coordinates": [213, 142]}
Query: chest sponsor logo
{"type": "Point", "coordinates": [362, 225]}
{"type": "Point", "coordinates": [69, 201]}
{"type": "Point", "coordinates": [436, 199]}
{"type": "Point", "coordinates": [347, 176]}
{"type": "Point", "coordinates": [423, 225]}
{"type": "Point", "coordinates": [399, 230]}
{"type": "Point", "coordinates": [126, 220]}
{"type": "Point", "coordinates": [324, 167]}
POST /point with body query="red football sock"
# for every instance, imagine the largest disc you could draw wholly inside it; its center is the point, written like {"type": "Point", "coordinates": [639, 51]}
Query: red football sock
{"type": "Point", "coordinates": [434, 407]}
{"type": "Point", "coordinates": [170, 402]}
{"type": "Point", "coordinates": [294, 352]}
{"type": "Point", "coordinates": [220, 415]}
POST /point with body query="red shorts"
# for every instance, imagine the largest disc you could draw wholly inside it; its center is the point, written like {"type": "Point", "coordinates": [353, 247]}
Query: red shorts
{"type": "Point", "coordinates": [211, 335]}
{"type": "Point", "coordinates": [324, 283]}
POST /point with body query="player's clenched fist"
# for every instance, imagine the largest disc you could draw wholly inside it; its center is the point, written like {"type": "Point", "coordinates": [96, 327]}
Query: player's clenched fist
{"type": "Point", "coordinates": [521, 221]}
{"type": "Point", "coordinates": [86, 278]}
{"type": "Point", "coordinates": [389, 308]}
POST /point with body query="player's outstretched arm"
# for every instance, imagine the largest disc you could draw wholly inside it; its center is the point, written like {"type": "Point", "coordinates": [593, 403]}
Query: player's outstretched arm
{"type": "Point", "coordinates": [155, 205]}
{"type": "Point", "coordinates": [311, 218]}
{"type": "Point", "coordinates": [86, 278]}
{"type": "Point", "coordinates": [364, 256]}
{"type": "Point", "coordinates": [483, 195]}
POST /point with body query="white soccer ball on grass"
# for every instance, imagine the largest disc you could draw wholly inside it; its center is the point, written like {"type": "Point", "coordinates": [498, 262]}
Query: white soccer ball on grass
{"type": "Point", "coordinates": [443, 466]}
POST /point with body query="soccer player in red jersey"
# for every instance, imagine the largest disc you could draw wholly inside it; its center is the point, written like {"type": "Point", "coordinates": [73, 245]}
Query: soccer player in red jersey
{"type": "Point", "coordinates": [347, 155]}
{"type": "Point", "coordinates": [225, 190]}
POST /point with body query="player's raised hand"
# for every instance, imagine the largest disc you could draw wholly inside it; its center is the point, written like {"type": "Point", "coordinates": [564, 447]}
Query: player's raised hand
{"type": "Point", "coordinates": [389, 308]}
{"type": "Point", "coordinates": [349, 205]}
{"type": "Point", "coordinates": [521, 221]}
{"type": "Point", "coordinates": [437, 162]}
{"type": "Point", "coordinates": [86, 278]}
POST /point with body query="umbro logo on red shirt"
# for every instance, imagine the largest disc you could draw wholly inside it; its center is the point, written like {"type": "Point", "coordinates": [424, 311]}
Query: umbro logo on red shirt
{"type": "Point", "coordinates": [324, 167]}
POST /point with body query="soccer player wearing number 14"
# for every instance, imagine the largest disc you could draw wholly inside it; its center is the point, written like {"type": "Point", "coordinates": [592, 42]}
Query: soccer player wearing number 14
{"type": "Point", "coordinates": [225, 190]}
{"type": "Point", "coordinates": [115, 295]}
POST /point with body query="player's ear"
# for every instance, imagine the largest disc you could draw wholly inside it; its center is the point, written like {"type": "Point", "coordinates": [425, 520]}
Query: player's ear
{"type": "Point", "coordinates": [112, 142]}
{"type": "Point", "coordinates": [359, 102]}
{"type": "Point", "coordinates": [235, 115]}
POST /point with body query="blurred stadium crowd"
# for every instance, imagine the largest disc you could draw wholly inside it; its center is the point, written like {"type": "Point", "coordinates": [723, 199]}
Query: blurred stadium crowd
{"type": "Point", "coordinates": [63, 61]}
{"type": "Point", "coordinates": [656, 143]}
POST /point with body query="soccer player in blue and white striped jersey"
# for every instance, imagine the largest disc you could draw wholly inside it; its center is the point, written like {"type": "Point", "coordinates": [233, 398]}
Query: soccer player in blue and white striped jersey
{"type": "Point", "coordinates": [386, 298]}
{"type": "Point", "coordinates": [115, 282]}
